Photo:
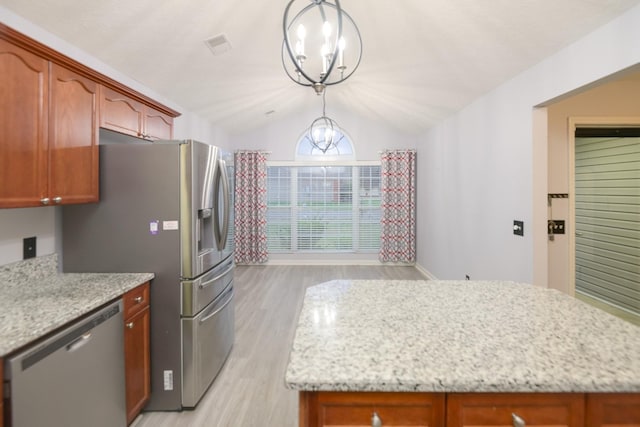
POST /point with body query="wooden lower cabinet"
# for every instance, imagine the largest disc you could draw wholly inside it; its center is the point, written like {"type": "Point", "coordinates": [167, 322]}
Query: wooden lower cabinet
{"type": "Point", "coordinates": [516, 409]}
{"type": "Point", "coordinates": [325, 409]}
{"type": "Point", "coordinates": [137, 350]}
{"type": "Point", "coordinates": [1, 396]}
{"type": "Point", "coordinates": [613, 410]}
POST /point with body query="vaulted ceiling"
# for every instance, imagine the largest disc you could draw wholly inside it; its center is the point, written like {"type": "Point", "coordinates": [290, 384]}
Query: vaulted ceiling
{"type": "Point", "coordinates": [422, 59]}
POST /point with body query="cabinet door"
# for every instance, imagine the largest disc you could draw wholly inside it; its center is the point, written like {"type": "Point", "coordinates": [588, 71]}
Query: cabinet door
{"type": "Point", "coordinates": [325, 409]}
{"type": "Point", "coordinates": [121, 113]}
{"type": "Point", "coordinates": [73, 138]}
{"type": "Point", "coordinates": [23, 127]}
{"type": "Point", "coordinates": [500, 409]}
{"type": "Point", "coordinates": [157, 125]}
{"type": "Point", "coordinates": [137, 365]}
{"type": "Point", "coordinates": [1, 397]}
{"type": "Point", "coordinates": [613, 410]}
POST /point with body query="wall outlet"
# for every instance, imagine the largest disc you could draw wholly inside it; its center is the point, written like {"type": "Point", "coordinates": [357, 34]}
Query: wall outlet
{"type": "Point", "coordinates": [168, 380]}
{"type": "Point", "coordinates": [28, 247]}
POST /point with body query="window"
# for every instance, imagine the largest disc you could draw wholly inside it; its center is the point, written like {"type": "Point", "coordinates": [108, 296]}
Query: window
{"type": "Point", "coordinates": [328, 208]}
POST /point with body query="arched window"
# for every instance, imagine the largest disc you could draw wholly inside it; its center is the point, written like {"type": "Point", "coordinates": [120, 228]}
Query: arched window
{"type": "Point", "coordinates": [342, 150]}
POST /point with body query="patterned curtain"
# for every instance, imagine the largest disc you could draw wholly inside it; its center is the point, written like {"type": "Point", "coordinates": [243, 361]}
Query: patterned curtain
{"type": "Point", "coordinates": [398, 206]}
{"type": "Point", "coordinates": [250, 207]}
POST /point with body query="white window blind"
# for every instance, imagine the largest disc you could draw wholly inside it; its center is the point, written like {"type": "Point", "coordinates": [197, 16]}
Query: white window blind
{"type": "Point", "coordinates": [323, 208]}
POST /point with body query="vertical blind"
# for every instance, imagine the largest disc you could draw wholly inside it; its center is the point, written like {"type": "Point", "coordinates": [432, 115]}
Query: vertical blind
{"type": "Point", "coordinates": [607, 210]}
{"type": "Point", "coordinates": [323, 208]}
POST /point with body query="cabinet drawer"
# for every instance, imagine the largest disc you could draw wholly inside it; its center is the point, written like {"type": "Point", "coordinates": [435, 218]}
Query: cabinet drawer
{"type": "Point", "coordinates": [613, 410]}
{"type": "Point", "coordinates": [498, 409]}
{"type": "Point", "coordinates": [135, 300]}
{"type": "Point", "coordinates": [357, 409]}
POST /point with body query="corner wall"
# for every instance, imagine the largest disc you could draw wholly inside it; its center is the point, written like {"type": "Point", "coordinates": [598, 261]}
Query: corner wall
{"type": "Point", "coordinates": [477, 168]}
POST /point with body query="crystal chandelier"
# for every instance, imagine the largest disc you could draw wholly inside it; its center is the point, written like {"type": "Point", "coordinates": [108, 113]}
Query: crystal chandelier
{"type": "Point", "coordinates": [322, 44]}
{"type": "Point", "coordinates": [324, 133]}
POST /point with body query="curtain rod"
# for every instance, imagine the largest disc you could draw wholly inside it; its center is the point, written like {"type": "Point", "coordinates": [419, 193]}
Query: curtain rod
{"type": "Point", "coordinates": [397, 149]}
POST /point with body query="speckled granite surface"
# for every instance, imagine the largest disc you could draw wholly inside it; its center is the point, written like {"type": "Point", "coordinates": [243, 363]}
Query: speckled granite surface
{"type": "Point", "coordinates": [35, 299]}
{"type": "Point", "coordinates": [458, 337]}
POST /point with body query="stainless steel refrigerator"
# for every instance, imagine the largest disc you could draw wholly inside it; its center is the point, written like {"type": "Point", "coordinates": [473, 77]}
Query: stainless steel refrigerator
{"type": "Point", "coordinates": [165, 207]}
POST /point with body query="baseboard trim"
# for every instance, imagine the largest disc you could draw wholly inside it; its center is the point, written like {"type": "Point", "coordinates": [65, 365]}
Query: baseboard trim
{"type": "Point", "coordinates": [426, 273]}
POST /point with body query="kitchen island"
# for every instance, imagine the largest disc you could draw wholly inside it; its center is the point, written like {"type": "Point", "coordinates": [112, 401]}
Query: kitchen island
{"type": "Point", "coordinates": [360, 344]}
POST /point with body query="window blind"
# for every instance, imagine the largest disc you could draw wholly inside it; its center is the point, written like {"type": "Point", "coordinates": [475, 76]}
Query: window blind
{"type": "Point", "coordinates": [323, 208]}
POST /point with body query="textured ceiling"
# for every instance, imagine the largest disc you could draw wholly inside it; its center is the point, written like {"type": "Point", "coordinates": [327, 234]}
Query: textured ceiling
{"type": "Point", "coordinates": [422, 59]}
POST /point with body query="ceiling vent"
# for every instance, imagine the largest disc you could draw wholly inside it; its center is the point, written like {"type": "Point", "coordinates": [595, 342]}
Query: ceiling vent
{"type": "Point", "coordinates": [218, 44]}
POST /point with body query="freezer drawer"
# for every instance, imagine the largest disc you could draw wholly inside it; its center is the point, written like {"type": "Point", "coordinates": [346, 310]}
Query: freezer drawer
{"type": "Point", "coordinates": [207, 341]}
{"type": "Point", "coordinates": [199, 293]}
{"type": "Point", "coordinates": [74, 378]}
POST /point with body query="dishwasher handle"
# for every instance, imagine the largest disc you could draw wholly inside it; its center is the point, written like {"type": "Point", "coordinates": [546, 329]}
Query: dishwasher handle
{"type": "Point", "coordinates": [80, 342]}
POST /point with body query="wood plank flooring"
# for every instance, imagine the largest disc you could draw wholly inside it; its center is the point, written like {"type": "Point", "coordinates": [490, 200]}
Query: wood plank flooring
{"type": "Point", "coordinates": [250, 391]}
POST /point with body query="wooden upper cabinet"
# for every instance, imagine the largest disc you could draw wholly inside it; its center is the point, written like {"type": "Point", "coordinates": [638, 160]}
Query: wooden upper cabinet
{"type": "Point", "coordinates": [157, 125]}
{"type": "Point", "coordinates": [515, 409]}
{"type": "Point", "coordinates": [48, 132]}
{"type": "Point", "coordinates": [24, 85]}
{"type": "Point", "coordinates": [613, 410]}
{"type": "Point", "coordinates": [123, 114]}
{"type": "Point", "coordinates": [73, 138]}
{"type": "Point", "coordinates": [51, 108]}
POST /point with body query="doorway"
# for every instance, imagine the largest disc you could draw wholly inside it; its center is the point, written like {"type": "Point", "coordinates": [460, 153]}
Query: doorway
{"type": "Point", "coordinates": [606, 214]}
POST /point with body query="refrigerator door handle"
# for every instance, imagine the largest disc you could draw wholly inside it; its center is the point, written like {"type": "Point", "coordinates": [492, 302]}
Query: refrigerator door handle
{"type": "Point", "coordinates": [221, 235]}
{"type": "Point", "coordinates": [218, 277]}
{"type": "Point", "coordinates": [217, 308]}
{"type": "Point", "coordinates": [227, 205]}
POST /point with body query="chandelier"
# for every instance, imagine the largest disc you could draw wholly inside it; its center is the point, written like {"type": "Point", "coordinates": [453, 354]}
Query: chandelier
{"type": "Point", "coordinates": [322, 44]}
{"type": "Point", "coordinates": [324, 133]}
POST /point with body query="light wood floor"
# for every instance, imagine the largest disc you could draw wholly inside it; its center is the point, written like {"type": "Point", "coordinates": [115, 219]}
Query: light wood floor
{"type": "Point", "coordinates": [250, 391]}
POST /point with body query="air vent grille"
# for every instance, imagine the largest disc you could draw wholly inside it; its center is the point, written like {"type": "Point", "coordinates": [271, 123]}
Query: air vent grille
{"type": "Point", "coordinates": [218, 44]}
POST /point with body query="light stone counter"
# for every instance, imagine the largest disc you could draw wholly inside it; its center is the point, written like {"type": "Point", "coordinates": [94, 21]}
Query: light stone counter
{"type": "Point", "coordinates": [35, 299]}
{"type": "Point", "coordinates": [458, 336]}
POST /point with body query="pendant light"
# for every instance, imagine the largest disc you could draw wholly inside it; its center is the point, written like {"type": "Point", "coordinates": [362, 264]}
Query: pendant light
{"type": "Point", "coordinates": [322, 44]}
{"type": "Point", "coordinates": [324, 133]}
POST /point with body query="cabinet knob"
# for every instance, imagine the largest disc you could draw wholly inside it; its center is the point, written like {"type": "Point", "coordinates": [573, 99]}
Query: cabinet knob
{"type": "Point", "coordinates": [375, 420]}
{"type": "Point", "coordinates": [57, 199]}
{"type": "Point", "coordinates": [45, 201]}
{"type": "Point", "coordinates": [138, 300]}
{"type": "Point", "coordinates": [130, 325]}
{"type": "Point", "coordinates": [517, 421]}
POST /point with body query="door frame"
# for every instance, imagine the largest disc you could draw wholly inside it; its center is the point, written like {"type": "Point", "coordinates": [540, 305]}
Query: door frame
{"type": "Point", "coordinates": [577, 122]}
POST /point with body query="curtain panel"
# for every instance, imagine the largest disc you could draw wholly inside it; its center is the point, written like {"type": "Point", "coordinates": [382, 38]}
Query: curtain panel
{"type": "Point", "coordinates": [250, 207]}
{"type": "Point", "coordinates": [398, 206]}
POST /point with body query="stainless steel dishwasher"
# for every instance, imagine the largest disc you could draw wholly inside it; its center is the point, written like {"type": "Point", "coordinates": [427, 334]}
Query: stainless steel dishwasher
{"type": "Point", "coordinates": [73, 378]}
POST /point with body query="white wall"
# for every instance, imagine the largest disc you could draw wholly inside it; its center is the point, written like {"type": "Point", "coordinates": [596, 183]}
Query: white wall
{"type": "Point", "coordinates": [477, 168]}
{"type": "Point", "coordinates": [15, 224]}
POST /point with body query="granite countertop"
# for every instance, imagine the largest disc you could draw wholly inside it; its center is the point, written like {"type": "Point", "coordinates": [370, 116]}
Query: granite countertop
{"type": "Point", "coordinates": [35, 299]}
{"type": "Point", "coordinates": [458, 336]}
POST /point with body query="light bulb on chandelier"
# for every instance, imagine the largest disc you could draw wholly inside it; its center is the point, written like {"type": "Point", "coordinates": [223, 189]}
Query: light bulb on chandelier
{"type": "Point", "coordinates": [327, 48]}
